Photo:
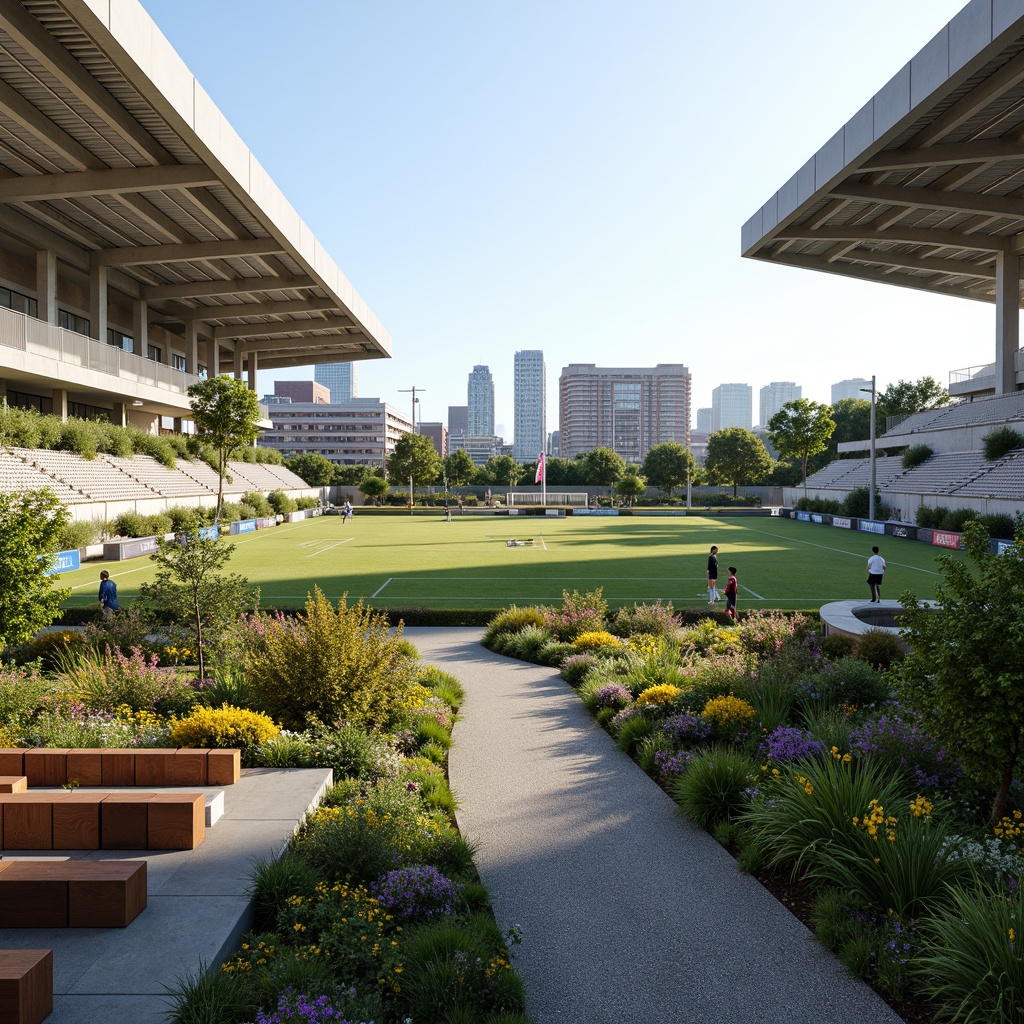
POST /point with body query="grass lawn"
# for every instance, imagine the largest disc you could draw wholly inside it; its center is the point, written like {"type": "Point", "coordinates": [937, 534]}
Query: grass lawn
{"type": "Point", "coordinates": [423, 561]}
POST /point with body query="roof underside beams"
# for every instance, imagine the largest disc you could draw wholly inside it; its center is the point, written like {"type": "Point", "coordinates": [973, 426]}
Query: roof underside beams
{"type": "Point", "coordinates": [98, 163]}
{"type": "Point", "coordinates": [925, 185]}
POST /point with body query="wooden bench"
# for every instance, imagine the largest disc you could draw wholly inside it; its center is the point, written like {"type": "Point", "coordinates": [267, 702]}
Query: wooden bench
{"type": "Point", "coordinates": [56, 766]}
{"type": "Point", "coordinates": [71, 893]}
{"type": "Point", "coordinates": [102, 821]}
{"type": "Point", "coordinates": [26, 985]}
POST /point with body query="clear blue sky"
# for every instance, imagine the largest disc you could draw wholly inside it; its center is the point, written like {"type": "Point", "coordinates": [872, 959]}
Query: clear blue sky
{"type": "Point", "coordinates": [572, 175]}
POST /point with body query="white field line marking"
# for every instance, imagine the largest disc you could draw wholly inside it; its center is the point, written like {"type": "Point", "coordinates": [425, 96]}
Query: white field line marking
{"type": "Point", "coordinates": [321, 550]}
{"type": "Point", "coordinates": [840, 551]}
{"type": "Point", "coordinates": [382, 586]}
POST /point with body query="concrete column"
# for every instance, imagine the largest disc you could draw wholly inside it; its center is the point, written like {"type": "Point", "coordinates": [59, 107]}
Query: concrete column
{"type": "Point", "coordinates": [239, 357]}
{"type": "Point", "coordinates": [1007, 316]}
{"type": "Point", "coordinates": [177, 424]}
{"type": "Point", "coordinates": [60, 404]}
{"type": "Point", "coordinates": [191, 346]}
{"type": "Point", "coordinates": [253, 360]}
{"type": "Point", "coordinates": [213, 358]}
{"type": "Point", "coordinates": [98, 302]}
{"type": "Point", "coordinates": [140, 327]}
{"type": "Point", "coordinates": [119, 414]}
{"type": "Point", "coordinates": [46, 285]}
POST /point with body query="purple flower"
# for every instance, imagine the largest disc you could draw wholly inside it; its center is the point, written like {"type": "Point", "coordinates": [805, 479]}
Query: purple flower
{"type": "Point", "coordinates": [673, 762]}
{"type": "Point", "coordinates": [685, 729]}
{"type": "Point", "coordinates": [614, 695]}
{"type": "Point", "coordinates": [419, 892]}
{"type": "Point", "coordinates": [300, 1009]}
{"type": "Point", "coordinates": [788, 744]}
{"type": "Point", "coordinates": [903, 743]}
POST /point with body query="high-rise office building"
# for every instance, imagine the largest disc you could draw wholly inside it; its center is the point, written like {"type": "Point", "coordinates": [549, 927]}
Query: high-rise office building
{"type": "Point", "coordinates": [852, 388]}
{"type": "Point", "coordinates": [774, 396]}
{"type": "Point", "coordinates": [704, 421]}
{"type": "Point", "coordinates": [458, 419]}
{"type": "Point", "coordinates": [629, 410]}
{"type": "Point", "coordinates": [732, 406]}
{"type": "Point", "coordinates": [438, 433]}
{"type": "Point", "coordinates": [339, 378]}
{"type": "Point", "coordinates": [531, 393]}
{"type": "Point", "coordinates": [480, 394]}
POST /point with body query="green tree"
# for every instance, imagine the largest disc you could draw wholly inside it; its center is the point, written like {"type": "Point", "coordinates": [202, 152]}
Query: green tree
{"type": "Point", "coordinates": [907, 397]}
{"type": "Point", "coordinates": [800, 429]}
{"type": "Point", "coordinates": [561, 472]}
{"type": "Point", "coordinates": [374, 486]}
{"type": "Point", "coordinates": [349, 476]}
{"type": "Point", "coordinates": [459, 468]}
{"type": "Point", "coordinates": [852, 417]}
{"type": "Point", "coordinates": [630, 486]}
{"type": "Point", "coordinates": [735, 456]}
{"type": "Point", "coordinates": [669, 465]}
{"type": "Point", "coordinates": [414, 458]}
{"type": "Point", "coordinates": [225, 413]}
{"type": "Point", "coordinates": [503, 469]}
{"type": "Point", "coordinates": [316, 470]}
{"type": "Point", "coordinates": [601, 467]}
{"type": "Point", "coordinates": [30, 526]}
{"type": "Point", "coordinates": [965, 672]}
{"type": "Point", "coordinates": [200, 602]}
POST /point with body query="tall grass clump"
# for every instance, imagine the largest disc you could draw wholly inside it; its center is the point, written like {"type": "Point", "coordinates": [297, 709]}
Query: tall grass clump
{"type": "Point", "coordinates": [713, 787]}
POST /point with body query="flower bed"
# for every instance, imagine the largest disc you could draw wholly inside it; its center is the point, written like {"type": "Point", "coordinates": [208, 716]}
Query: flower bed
{"type": "Point", "coordinates": [805, 760]}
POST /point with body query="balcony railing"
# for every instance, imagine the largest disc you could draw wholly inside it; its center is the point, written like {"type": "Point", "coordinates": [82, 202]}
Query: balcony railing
{"type": "Point", "coordinates": [34, 337]}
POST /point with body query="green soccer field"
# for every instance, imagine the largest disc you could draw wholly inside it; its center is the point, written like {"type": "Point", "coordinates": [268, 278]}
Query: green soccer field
{"type": "Point", "coordinates": [401, 561]}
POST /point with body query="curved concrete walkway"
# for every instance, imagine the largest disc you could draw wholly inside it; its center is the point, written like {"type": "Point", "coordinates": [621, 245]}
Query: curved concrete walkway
{"type": "Point", "coordinates": [630, 915]}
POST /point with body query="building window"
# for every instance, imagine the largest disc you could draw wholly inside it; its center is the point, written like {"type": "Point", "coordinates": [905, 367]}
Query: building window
{"type": "Point", "coordinates": [18, 302]}
{"type": "Point", "coordinates": [120, 340]}
{"type": "Point", "coordinates": [72, 322]}
{"type": "Point", "coordinates": [152, 352]}
{"type": "Point", "coordinates": [178, 361]}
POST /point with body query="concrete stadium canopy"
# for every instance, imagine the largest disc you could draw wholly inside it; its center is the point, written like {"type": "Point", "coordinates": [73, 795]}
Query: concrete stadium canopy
{"type": "Point", "coordinates": [924, 186]}
{"type": "Point", "coordinates": [114, 158]}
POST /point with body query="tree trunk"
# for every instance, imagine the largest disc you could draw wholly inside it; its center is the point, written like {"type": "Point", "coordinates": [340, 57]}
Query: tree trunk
{"type": "Point", "coordinates": [199, 635]}
{"type": "Point", "coordinates": [999, 804]}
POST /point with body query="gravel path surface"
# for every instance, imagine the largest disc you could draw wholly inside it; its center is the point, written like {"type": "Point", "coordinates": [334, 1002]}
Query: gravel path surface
{"type": "Point", "coordinates": [629, 913]}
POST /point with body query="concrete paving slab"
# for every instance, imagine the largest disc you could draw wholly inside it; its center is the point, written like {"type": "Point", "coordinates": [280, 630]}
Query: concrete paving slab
{"type": "Point", "coordinates": [629, 913]}
{"type": "Point", "coordinates": [197, 909]}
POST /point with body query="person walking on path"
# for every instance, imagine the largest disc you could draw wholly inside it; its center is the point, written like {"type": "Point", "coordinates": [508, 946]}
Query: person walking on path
{"type": "Point", "coordinates": [108, 594]}
{"type": "Point", "coordinates": [713, 594]}
{"type": "Point", "coordinates": [731, 590]}
{"type": "Point", "coordinates": [876, 570]}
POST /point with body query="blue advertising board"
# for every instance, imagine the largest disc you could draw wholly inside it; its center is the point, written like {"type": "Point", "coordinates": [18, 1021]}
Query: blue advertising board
{"type": "Point", "coordinates": [242, 526]}
{"type": "Point", "coordinates": [66, 561]}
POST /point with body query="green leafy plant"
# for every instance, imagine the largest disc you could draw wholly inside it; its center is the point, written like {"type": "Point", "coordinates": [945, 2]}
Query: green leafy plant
{"type": "Point", "coordinates": [328, 665]}
{"type": "Point", "coordinates": [915, 455]}
{"type": "Point", "coordinates": [224, 727]}
{"type": "Point", "coordinates": [1001, 441]}
{"type": "Point", "coordinates": [714, 786]}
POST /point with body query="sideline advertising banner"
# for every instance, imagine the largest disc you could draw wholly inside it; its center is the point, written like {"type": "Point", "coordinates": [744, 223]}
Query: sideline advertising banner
{"type": "Point", "coordinates": [66, 561]}
{"type": "Point", "coordinates": [943, 539]}
{"type": "Point", "coordinates": [870, 526]}
{"type": "Point", "coordinates": [901, 530]}
{"type": "Point", "coordinates": [242, 526]}
{"type": "Point", "coordinates": [843, 522]}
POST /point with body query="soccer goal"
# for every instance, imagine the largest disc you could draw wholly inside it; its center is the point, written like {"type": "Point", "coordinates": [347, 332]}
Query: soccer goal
{"type": "Point", "coordinates": [577, 498]}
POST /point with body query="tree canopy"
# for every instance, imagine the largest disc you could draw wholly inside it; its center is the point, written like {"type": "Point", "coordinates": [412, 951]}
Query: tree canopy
{"type": "Point", "coordinates": [459, 468]}
{"type": "Point", "coordinates": [503, 470]}
{"type": "Point", "coordinates": [801, 428]}
{"type": "Point", "coordinates": [630, 486]}
{"type": "Point", "coordinates": [200, 601]}
{"type": "Point", "coordinates": [30, 525]}
{"type": "Point", "coordinates": [965, 672]}
{"type": "Point", "coordinates": [313, 467]}
{"type": "Point", "coordinates": [414, 456]}
{"type": "Point", "coordinates": [907, 397]}
{"type": "Point", "coordinates": [601, 467]}
{"type": "Point", "coordinates": [669, 465]}
{"type": "Point", "coordinates": [736, 456]}
{"type": "Point", "coordinates": [225, 413]}
{"type": "Point", "coordinates": [373, 486]}
{"type": "Point", "coordinates": [852, 417]}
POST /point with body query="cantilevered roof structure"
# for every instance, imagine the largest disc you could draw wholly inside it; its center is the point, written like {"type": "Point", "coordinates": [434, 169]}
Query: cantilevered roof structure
{"type": "Point", "coordinates": [924, 186]}
{"type": "Point", "coordinates": [119, 177]}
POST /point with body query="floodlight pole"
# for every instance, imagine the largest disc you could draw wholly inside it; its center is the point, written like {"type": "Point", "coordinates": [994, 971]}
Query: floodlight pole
{"type": "Point", "coordinates": [412, 391]}
{"type": "Point", "coordinates": [871, 460]}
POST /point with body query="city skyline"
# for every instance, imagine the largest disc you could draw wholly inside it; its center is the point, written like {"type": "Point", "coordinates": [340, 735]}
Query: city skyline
{"type": "Point", "coordinates": [559, 196]}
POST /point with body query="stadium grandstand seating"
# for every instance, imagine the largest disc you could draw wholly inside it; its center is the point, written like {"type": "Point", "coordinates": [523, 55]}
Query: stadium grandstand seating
{"type": "Point", "coordinates": [111, 479]}
{"type": "Point", "coordinates": [97, 479]}
{"type": "Point", "coordinates": [16, 476]}
{"type": "Point", "coordinates": [856, 473]}
{"type": "Point", "coordinates": [171, 483]}
{"type": "Point", "coordinates": [998, 411]}
{"type": "Point", "coordinates": [1005, 479]}
{"type": "Point", "coordinates": [943, 473]}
